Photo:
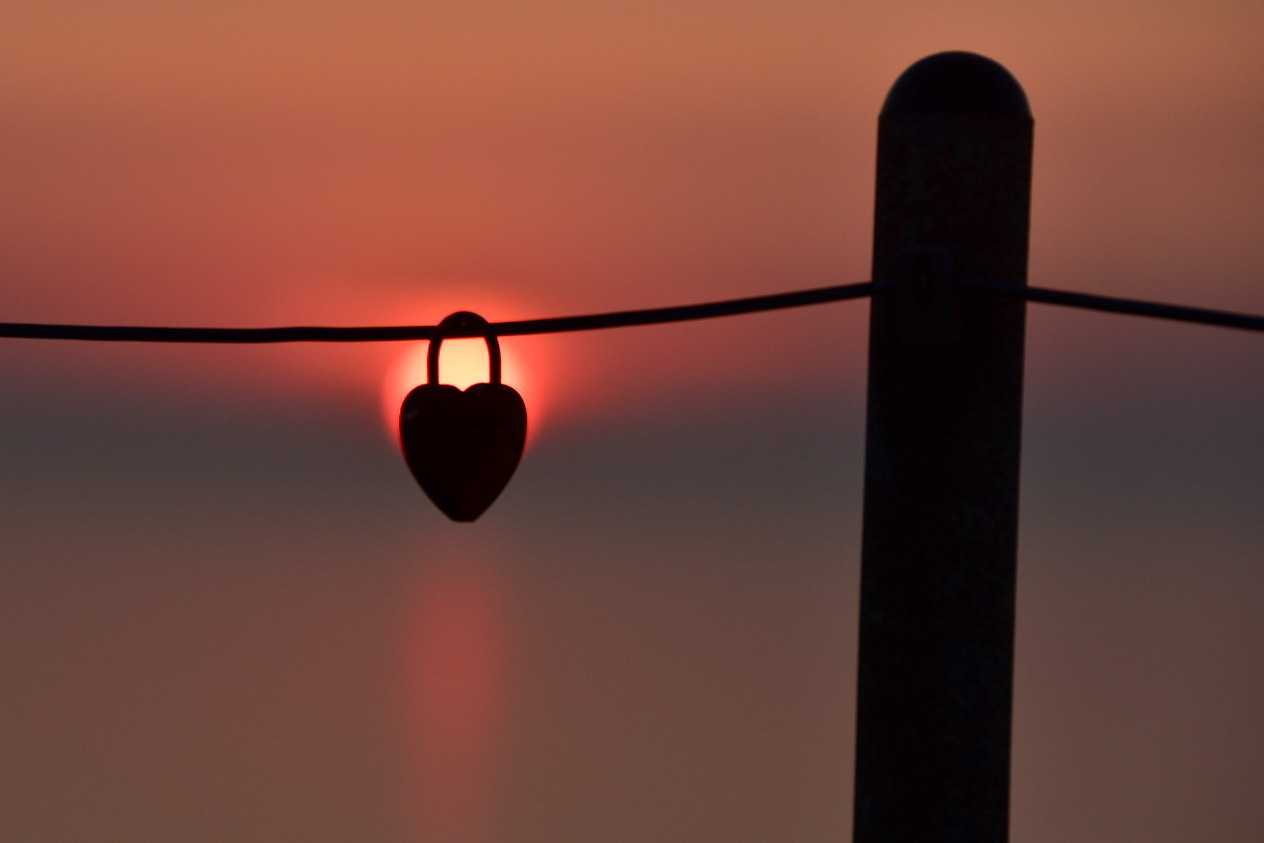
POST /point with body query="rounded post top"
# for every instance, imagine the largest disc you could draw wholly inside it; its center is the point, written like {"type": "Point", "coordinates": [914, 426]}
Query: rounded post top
{"type": "Point", "coordinates": [956, 83]}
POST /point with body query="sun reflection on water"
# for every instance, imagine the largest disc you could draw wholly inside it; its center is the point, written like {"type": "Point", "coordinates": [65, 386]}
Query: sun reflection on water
{"type": "Point", "coordinates": [456, 685]}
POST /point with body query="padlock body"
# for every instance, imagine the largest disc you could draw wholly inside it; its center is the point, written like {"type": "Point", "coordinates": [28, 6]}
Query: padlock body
{"type": "Point", "coordinates": [462, 447]}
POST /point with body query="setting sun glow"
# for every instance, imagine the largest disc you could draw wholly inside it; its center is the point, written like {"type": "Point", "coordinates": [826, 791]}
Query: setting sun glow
{"type": "Point", "coordinates": [462, 363]}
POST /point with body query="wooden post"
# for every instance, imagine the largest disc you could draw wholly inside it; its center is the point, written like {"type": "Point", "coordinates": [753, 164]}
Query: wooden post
{"type": "Point", "coordinates": [935, 678]}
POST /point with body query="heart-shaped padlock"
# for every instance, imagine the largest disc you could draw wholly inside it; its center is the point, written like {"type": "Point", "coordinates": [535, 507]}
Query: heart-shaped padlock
{"type": "Point", "coordinates": [463, 446]}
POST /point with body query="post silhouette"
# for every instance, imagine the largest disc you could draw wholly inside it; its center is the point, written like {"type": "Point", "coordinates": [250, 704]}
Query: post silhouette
{"type": "Point", "coordinates": [935, 676]}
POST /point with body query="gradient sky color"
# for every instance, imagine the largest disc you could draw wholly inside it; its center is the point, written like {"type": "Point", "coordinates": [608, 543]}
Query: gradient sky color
{"type": "Point", "coordinates": [224, 604]}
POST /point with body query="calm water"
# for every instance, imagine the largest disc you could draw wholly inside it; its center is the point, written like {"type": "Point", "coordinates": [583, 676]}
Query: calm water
{"type": "Point", "coordinates": [217, 627]}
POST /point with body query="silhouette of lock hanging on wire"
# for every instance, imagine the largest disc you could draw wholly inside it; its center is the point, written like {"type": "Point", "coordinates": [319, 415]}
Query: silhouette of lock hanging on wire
{"type": "Point", "coordinates": [463, 446]}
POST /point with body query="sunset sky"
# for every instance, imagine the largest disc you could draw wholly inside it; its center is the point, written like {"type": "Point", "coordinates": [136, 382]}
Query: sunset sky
{"type": "Point", "coordinates": [228, 613]}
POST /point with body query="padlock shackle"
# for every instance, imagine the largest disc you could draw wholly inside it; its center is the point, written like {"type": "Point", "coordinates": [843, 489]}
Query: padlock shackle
{"type": "Point", "coordinates": [464, 320]}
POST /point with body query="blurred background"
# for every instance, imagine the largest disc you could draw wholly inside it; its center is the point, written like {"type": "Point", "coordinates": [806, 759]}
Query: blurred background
{"type": "Point", "coordinates": [227, 612]}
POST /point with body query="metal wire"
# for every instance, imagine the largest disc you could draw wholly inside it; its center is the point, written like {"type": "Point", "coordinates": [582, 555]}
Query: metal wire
{"type": "Point", "coordinates": [553, 325]}
{"type": "Point", "coordinates": [618, 319]}
{"type": "Point", "coordinates": [1110, 304]}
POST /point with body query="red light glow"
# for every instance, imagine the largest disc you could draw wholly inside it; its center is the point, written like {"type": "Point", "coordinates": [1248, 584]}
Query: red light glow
{"type": "Point", "coordinates": [457, 666]}
{"type": "Point", "coordinates": [461, 363]}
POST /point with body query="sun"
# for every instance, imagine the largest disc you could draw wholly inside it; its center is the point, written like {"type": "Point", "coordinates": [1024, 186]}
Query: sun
{"type": "Point", "coordinates": [462, 363]}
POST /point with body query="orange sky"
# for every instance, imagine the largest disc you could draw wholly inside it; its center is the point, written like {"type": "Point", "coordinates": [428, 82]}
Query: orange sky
{"type": "Point", "coordinates": [287, 163]}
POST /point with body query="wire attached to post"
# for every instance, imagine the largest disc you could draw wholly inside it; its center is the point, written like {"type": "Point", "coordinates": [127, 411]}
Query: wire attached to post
{"type": "Point", "coordinates": [1131, 307]}
{"type": "Point", "coordinates": [617, 319]}
{"type": "Point", "coordinates": [554, 325]}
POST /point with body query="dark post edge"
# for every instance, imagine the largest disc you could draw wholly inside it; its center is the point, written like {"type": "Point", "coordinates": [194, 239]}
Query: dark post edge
{"type": "Point", "coordinates": [941, 468]}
